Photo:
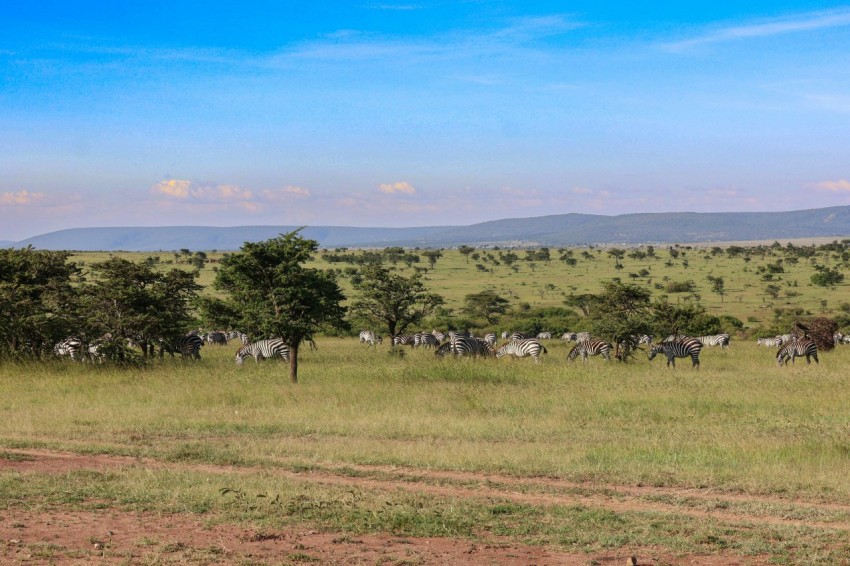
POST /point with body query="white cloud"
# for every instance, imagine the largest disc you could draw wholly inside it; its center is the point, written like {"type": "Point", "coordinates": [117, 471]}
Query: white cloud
{"type": "Point", "coordinates": [839, 186]}
{"type": "Point", "coordinates": [172, 187]}
{"type": "Point", "coordinates": [21, 198]}
{"type": "Point", "coordinates": [399, 187]}
{"type": "Point", "coordinates": [286, 192]}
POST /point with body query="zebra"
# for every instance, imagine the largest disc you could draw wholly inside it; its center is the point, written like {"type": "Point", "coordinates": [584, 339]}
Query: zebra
{"type": "Point", "coordinates": [522, 336]}
{"type": "Point", "coordinates": [544, 336]}
{"type": "Point", "coordinates": [785, 338]}
{"type": "Point", "coordinates": [568, 336]}
{"type": "Point", "coordinates": [440, 336]}
{"type": "Point", "coordinates": [644, 339]}
{"type": "Point", "coordinates": [234, 334]}
{"type": "Point", "coordinates": [190, 346]}
{"type": "Point", "coordinates": [721, 340]}
{"type": "Point", "coordinates": [769, 342]}
{"type": "Point", "coordinates": [681, 348]}
{"type": "Point", "coordinates": [70, 347]}
{"type": "Point", "coordinates": [262, 349]}
{"type": "Point", "coordinates": [797, 348]}
{"type": "Point", "coordinates": [465, 346]}
{"type": "Point", "coordinates": [505, 335]}
{"type": "Point", "coordinates": [405, 340]}
{"type": "Point", "coordinates": [582, 336]}
{"type": "Point", "coordinates": [522, 348]}
{"type": "Point", "coordinates": [490, 338]}
{"type": "Point", "coordinates": [370, 337]}
{"type": "Point", "coordinates": [217, 337]}
{"type": "Point", "coordinates": [426, 340]}
{"type": "Point", "coordinates": [592, 347]}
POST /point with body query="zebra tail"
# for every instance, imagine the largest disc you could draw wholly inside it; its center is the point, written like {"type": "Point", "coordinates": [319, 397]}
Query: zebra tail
{"type": "Point", "coordinates": [545, 351]}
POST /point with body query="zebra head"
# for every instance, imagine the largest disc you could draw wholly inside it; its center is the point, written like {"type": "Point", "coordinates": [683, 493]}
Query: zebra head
{"type": "Point", "coordinates": [573, 353]}
{"type": "Point", "coordinates": [655, 350]}
{"type": "Point", "coordinates": [243, 353]}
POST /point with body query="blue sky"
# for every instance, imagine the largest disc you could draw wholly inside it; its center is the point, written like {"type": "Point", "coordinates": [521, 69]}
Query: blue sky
{"type": "Point", "coordinates": [416, 113]}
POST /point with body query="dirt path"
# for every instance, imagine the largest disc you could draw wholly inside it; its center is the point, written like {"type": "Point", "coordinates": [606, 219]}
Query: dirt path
{"type": "Point", "coordinates": [110, 536]}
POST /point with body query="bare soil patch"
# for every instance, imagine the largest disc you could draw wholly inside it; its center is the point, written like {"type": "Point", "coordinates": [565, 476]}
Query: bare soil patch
{"type": "Point", "coordinates": [109, 536]}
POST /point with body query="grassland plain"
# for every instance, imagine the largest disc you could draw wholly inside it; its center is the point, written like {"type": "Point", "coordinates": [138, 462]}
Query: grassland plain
{"type": "Point", "coordinates": [739, 461]}
{"type": "Point", "coordinates": [751, 292]}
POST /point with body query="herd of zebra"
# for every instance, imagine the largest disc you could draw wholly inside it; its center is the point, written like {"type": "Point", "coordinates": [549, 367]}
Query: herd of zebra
{"type": "Point", "coordinates": [522, 345]}
{"type": "Point", "coordinates": [460, 344]}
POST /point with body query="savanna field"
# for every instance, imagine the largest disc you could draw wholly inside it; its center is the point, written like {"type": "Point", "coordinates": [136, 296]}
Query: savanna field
{"type": "Point", "coordinates": [376, 457]}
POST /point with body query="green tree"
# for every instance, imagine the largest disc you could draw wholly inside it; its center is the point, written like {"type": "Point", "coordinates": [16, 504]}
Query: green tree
{"type": "Point", "coordinates": [486, 304]}
{"type": "Point", "coordinates": [393, 300]}
{"type": "Point", "coordinates": [465, 251]}
{"type": "Point", "coordinates": [37, 301]}
{"type": "Point", "coordinates": [433, 256]}
{"type": "Point", "coordinates": [277, 296]}
{"type": "Point", "coordinates": [619, 314]}
{"type": "Point", "coordinates": [827, 277]}
{"type": "Point", "coordinates": [718, 285]}
{"type": "Point", "coordinates": [128, 300]}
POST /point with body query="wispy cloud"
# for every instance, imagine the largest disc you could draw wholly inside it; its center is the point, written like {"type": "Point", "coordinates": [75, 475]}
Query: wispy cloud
{"type": "Point", "coordinates": [21, 198]}
{"type": "Point", "coordinates": [402, 187]}
{"type": "Point", "coordinates": [808, 21]}
{"type": "Point", "coordinates": [838, 186]}
{"type": "Point", "coordinates": [212, 196]}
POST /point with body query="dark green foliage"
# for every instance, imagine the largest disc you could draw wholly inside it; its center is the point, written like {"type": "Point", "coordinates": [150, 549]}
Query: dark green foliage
{"type": "Point", "coordinates": [486, 304]}
{"type": "Point", "coordinates": [37, 301]}
{"type": "Point", "coordinates": [619, 314]}
{"type": "Point", "coordinates": [689, 319]}
{"type": "Point", "coordinates": [276, 295]}
{"type": "Point", "coordinates": [128, 300]}
{"type": "Point", "coordinates": [827, 277]}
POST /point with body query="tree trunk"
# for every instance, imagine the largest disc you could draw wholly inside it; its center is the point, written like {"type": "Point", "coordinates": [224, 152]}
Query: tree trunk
{"type": "Point", "coordinates": [293, 363]}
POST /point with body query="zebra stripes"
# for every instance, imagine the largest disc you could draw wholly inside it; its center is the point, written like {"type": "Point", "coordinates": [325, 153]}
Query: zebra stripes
{"type": "Point", "coordinates": [405, 340]}
{"type": "Point", "coordinates": [465, 346]}
{"type": "Point", "coordinates": [522, 348]}
{"type": "Point", "coordinates": [370, 337]}
{"type": "Point", "coordinates": [796, 349]}
{"type": "Point", "coordinates": [426, 339]}
{"type": "Point", "coordinates": [70, 347]}
{"type": "Point", "coordinates": [681, 348]}
{"type": "Point", "coordinates": [190, 346]}
{"type": "Point", "coordinates": [769, 342]}
{"type": "Point", "coordinates": [721, 340]}
{"type": "Point", "coordinates": [263, 349]}
{"type": "Point", "coordinates": [592, 347]}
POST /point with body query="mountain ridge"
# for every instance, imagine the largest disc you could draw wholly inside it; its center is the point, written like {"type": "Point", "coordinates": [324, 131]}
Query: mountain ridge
{"type": "Point", "coordinates": [551, 230]}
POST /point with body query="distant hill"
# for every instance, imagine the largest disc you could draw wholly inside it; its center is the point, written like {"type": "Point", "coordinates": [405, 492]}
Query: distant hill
{"type": "Point", "coordinates": [555, 230]}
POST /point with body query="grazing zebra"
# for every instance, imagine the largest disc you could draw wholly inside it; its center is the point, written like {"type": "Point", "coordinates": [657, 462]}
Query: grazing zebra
{"type": "Point", "coordinates": [582, 336]}
{"type": "Point", "coordinates": [681, 348]}
{"type": "Point", "coordinates": [522, 348]}
{"type": "Point", "coordinates": [568, 336]}
{"type": "Point", "coordinates": [405, 340]}
{"type": "Point", "coordinates": [369, 337]}
{"type": "Point", "coordinates": [217, 337]}
{"type": "Point", "coordinates": [769, 342]}
{"type": "Point", "coordinates": [190, 346]}
{"type": "Point", "coordinates": [70, 347]}
{"type": "Point", "coordinates": [426, 340]}
{"type": "Point", "coordinates": [440, 336]}
{"type": "Point", "coordinates": [263, 349]}
{"type": "Point", "coordinates": [490, 338]}
{"type": "Point", "coordinates": [592, 347]}
{"type": "Point", "coordinates": [644, 339]}
{"type": "Point", "coordinates": [721, 340]}
{"type": "Point", "coordinates": [797, 348]}
{"type": "Point", "coordinates": [544, 336]}
{"type": "Point", "coordinates": [465, 346]}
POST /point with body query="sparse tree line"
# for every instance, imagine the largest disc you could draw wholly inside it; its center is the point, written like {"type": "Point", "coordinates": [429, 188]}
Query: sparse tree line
{"type": "Point", "coordinates": [133, 311]}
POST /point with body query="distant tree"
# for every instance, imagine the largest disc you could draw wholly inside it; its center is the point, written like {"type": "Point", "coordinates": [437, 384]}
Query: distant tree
{"type": "Point", "coordinates": [277, 296]}
{"type": "Point", "coordinates": [433, 256]}
{"type": "Point", "coordinates": [393, 300]}
{"type": "Point", "coordinates": [718, 285]}
{"type": "Point", "coordinates": [486, 304]}
{"type": "Point", "coordinates": [827, 277]}
{"type": "Point", "coordinates": [619, 314]}
{"type": "Point", "coordinates": [465, 251]}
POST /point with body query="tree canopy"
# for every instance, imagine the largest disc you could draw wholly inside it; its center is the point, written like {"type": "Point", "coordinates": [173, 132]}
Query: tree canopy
{"type": "Point", "coordinates": [275, 295]}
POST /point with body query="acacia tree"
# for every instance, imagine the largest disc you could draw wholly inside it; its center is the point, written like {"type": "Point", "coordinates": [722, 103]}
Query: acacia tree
{"type": "Point", "coordinates": [393, 300]}
{"type": "Point", "coordinates": [276, 296]}
{"type": "Point", "coordinates": [619, 314]}
{"type": "Point", "coordinates": [486, 304]}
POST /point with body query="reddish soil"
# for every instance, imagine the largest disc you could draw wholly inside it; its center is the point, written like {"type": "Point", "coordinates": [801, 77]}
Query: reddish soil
{"type": "Point", "coordinates": [109, 536]}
